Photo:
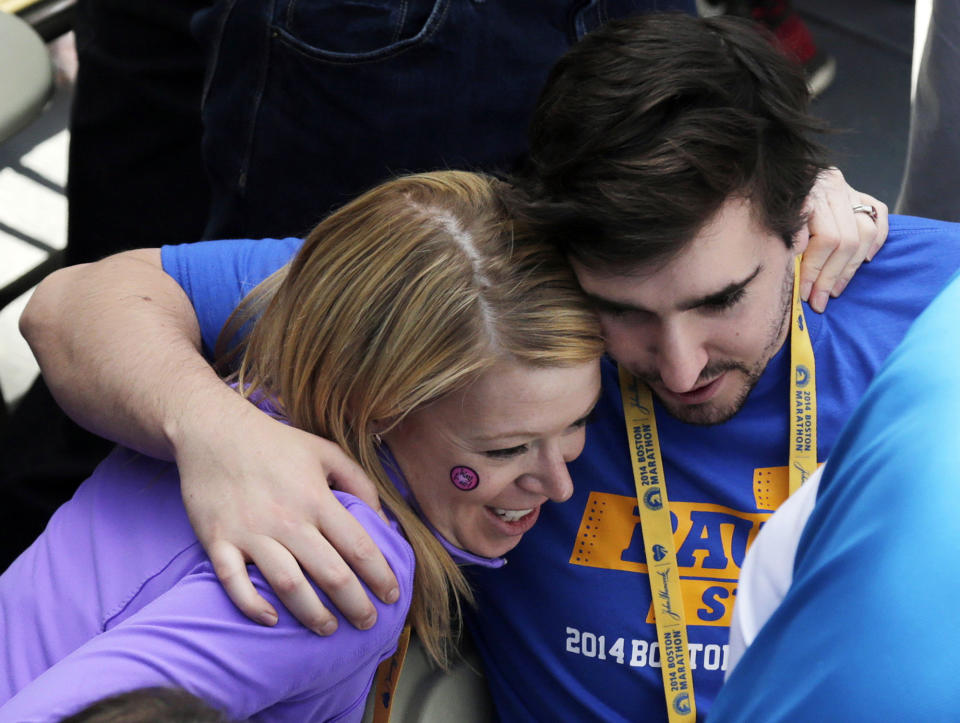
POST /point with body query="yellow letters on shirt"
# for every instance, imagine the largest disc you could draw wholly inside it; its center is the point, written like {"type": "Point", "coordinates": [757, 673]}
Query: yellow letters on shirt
{"type": "Point", "coordinates": [711, 541]}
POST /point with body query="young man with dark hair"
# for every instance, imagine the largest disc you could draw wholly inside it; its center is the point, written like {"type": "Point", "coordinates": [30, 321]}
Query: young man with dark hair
{"type": "Point", "coordinates": [671, 158]}
{"type": "Point", "coordinates": [697, 293]}
{"type": "Point", "coordinates": [633, 148]}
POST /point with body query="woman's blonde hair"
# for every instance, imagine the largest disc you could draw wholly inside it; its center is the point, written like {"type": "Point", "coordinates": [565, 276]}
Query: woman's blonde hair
{"type": "Point", "coordinates": [406, 294]}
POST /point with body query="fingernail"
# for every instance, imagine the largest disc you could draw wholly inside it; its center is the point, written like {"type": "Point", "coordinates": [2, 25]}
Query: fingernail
{"type": "Point", "coordinates": [368, 621]}
{"type": "Point", "coordinates": [326, 628]}
{"type": "Point", "coordinates": [268, 617]}
{"type": "Point", "coordinates": [819, 301]}
{"type": "Point", "coordinates": [805, 288]}
{"type": "Point", "coordinates": [392, 595]}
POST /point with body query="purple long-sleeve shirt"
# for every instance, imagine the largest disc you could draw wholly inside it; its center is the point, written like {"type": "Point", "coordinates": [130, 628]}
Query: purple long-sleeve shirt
{"type": "Point", "coordinates": [118, 594]}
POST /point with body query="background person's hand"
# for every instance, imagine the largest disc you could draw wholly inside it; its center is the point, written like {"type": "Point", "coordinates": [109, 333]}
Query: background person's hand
{"type": "Point", "coordinates": [840, 239]}
{"type": "Point", "coordinates": [262, 495]}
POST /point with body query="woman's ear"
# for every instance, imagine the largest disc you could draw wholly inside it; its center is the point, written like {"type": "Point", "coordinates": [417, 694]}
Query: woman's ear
{"type": "Point", "coordinates": [380, 427]}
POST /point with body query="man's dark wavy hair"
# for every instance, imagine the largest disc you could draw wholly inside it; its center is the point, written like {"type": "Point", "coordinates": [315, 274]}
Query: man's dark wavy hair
{"type": "Point", "coordinates": [647, 125]}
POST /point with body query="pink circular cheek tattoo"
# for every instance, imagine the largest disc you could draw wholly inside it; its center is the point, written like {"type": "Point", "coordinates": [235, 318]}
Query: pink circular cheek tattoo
{"type": "Point", "coordinates": [464, 478]}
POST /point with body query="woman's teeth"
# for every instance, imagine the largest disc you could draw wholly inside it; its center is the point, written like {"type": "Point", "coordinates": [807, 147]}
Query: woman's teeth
{"type": "Point", "coordinates": [510, 515]}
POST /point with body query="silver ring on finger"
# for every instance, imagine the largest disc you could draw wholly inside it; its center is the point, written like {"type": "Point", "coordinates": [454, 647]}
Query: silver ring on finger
{"type": "Point", "coordinates": [866, 208]}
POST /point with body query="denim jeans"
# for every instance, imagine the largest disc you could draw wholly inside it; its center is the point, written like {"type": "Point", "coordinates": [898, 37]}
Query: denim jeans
{"type": "Point", "coordinates": [136, 173]}
{"type": "Point", "coordinates": [309, 102]}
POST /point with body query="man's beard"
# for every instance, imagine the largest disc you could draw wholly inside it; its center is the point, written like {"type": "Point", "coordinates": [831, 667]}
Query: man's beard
{"type": "Point", "coordinates": [711, 412]}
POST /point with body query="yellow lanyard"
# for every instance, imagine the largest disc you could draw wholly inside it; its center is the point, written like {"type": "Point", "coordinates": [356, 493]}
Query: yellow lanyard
{"type": "Point", "coordinates": [388, 674]}
{"type": "Point", "coordinates": [658, 542]}
{"type": "Point", "coordinates": [659, 547]}
{"type": "Point", "coordinates": [803, 394]}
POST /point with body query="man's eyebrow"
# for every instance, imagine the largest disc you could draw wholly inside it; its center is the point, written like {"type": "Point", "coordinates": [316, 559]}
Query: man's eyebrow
{"type": "Point", "coordinates": [602, 303]}
{"type": "Point", "coordinates": [719, 297]}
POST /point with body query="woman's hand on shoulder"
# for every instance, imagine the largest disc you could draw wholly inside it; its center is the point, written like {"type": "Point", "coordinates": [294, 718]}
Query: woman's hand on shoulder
{"type": "Point", "coordinates": [257, 490]}
{"type": "Point", "coordinates": [840, 238]}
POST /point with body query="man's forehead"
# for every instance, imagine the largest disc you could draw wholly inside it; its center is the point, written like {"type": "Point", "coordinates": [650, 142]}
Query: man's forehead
{"type": "Point", "coordinates": [726, 250]}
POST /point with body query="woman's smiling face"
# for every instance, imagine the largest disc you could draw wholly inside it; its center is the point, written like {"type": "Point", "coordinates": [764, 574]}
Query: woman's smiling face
{"type": "Point", "coordinates": [481, 461]}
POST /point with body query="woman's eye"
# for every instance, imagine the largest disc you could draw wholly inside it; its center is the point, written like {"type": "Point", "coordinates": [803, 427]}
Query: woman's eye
{"type": "Point", "coordinates": [507, 452]}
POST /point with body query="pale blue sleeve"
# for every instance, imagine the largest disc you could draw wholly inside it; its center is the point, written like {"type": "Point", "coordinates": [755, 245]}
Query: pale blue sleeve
{"type": "Point", "coordinates": [869, 629]}
{"type": "Point", "coordinates": [216, 275]}
{"type": "Point", "coordinates": [192, 637]}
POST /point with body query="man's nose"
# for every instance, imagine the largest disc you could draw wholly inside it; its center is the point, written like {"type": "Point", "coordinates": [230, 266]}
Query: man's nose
{"type": "Point", "coordinates": [681, 356]}
{"type": "Point", "coordinates": [551, 478]}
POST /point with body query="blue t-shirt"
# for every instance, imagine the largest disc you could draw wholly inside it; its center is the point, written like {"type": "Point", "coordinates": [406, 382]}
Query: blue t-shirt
{"type": "Point", "coordinates": [216, 275]}
{"type": "Point", "coordinates": [868, 628]}
{"type": "Point", "coordinates": [565, 629]}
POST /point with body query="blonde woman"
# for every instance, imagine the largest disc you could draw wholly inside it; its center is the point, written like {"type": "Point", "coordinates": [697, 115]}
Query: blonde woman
{"type": "Point", "coordinates": [416, 327]}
